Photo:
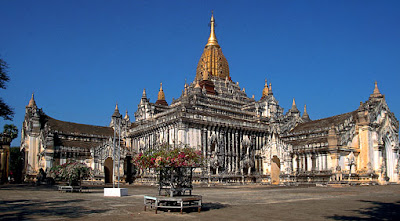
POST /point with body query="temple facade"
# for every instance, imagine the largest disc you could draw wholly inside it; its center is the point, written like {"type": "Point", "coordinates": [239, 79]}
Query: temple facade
{"type": "Point", "coordinates": [243, 139]}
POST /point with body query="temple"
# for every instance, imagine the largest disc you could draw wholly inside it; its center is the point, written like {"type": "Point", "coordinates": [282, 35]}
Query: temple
{"type": "Point", "coordinates": [244, 139]}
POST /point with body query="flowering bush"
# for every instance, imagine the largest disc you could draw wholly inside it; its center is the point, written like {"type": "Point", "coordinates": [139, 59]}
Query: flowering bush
{"type": "Point", "coordinates": [72, 172]}
{"type": "Point", "coordinates": [166, 156]}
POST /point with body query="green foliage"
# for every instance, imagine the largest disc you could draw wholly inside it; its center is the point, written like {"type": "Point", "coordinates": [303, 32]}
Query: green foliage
{"type": "Point", "coordinates": [73, 172]}
{"type": "Point", "coordinates": [11, 130]}
{"type": "Point", "coordinates": [6, 112]}
{"type": "Point", "coordinates": [16, 164]}
{"type": "Point", "coordinates": [167, 156]}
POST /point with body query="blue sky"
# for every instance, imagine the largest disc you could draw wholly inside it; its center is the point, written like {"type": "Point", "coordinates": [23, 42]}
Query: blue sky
{"type": "Point", "coordinates": [81, 57]}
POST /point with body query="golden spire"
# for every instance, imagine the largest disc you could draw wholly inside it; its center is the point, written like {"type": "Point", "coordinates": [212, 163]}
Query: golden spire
{"type": "Point", "coordinates": [161, 95]}
{"type": "Point", "coordinates": [265, 90]}
{"type": "Point", "coordinates": [217, 65]}
{"type": "Point", "coordinates": [294, 103]}
{"type": "Point", "coordinates": [116, 107]}
{"type": "Point", "coordinates": [32, 102]}
{"type": "Point", "coordinates": [126, 115]}
{"type": "Point", "coordinates": [197, 84]}
{"type": "Point", "coordinates": [212, 40]}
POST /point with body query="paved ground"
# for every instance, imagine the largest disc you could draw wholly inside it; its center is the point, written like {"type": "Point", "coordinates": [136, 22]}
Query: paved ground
{"type": "Point", "coordinates": [20, 202]}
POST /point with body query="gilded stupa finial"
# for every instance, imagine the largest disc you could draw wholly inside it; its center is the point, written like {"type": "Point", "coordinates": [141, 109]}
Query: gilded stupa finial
{"type": "Point", "coordinates": [265, 91]}
{"type": "Point", "coordinates": [161, 95]}
{"type": "Point", "coordinates": [126, 115]}
{"type": "Point", "coordinates": [212, 40]}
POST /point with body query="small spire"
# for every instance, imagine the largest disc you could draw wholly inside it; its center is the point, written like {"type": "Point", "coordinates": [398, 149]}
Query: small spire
{"type": "Point", "coordinates": [270, 89]}
{"type": "Point", "coordinates": [376, 89]}
{"type": "Point", "coordinates": [144, 93]}
{"type": "Point", "coordinates": [116, 111]}
{"type": "Point", "coordinates": [244, 90]}
{"type": "Point", "coordinates": [305, 116]}
{"type": "Point", "coordinates": [161, 96]}
{"type": "Point", "coordinates": [265, 91]}
{"type": "Point", "coordinates": [116, 107]}
{"type": "Point", "coordinates": [294, 107]}
{"type": "Point", "coordinates": [32, 102]}
{"type": "Point", "coordinates": [212, 40]}
{"type": "Point", "coordinates": [126, 115]}
{"type": "Point", "coordinates": [376, 93]}
{"type": "Point", "coordinates": [197, 84]}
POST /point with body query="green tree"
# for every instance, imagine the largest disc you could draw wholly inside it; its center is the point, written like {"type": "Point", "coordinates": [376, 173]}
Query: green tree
{"type": "Point", "coordinates": [16, 164]}
{"type": "Point", "coordinates": [11, 130]}
{"type": "Point", "coordinates": [6, 112]}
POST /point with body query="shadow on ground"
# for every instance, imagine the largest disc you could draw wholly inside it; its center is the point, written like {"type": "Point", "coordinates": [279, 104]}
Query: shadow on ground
{"type": "Point", "coordinates": [378, 211]}
{"type": "Point", "coordinates": [25, 209]}
{"type": "Point", "coordinates": [212, 206]}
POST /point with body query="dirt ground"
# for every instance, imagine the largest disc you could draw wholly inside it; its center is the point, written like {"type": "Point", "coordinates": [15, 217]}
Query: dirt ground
{"type": "Point", "coordinates": [27, 202]}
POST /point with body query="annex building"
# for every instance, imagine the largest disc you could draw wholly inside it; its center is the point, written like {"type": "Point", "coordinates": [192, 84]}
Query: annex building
{"type": "Point", "coordinates": [244, 139]}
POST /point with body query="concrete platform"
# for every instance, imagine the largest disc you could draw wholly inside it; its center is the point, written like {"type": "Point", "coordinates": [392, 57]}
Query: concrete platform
{"type": "Point", "coordinates": [116, 192]}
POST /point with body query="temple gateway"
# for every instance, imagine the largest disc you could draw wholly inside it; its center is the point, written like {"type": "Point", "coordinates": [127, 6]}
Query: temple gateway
{"type": "Point", "coordinates": [243, 139]}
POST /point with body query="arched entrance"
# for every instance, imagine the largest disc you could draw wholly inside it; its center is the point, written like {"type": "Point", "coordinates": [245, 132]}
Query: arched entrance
{"type": "Point", "coordinates": [275, 170]}
{"type": "Point", "coordinates": [388, 158]}
{"type": "Point", "coordinates": [108, 166]}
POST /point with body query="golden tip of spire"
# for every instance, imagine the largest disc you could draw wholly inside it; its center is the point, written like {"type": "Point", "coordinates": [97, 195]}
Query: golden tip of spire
{"type": "Point", "coordinates": [212, 40]}
{"type": "Point", "coordinates": [116, 106]}
{"type": "Point", "coordinates": [305, 108]}
{"type": "Point", "coordinates": [161, 86]}
{"type": "Point", "coordinates": [294, 102]}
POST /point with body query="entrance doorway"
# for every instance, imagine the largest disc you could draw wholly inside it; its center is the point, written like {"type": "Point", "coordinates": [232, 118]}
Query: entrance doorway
{"type": "Point", "coordinates": [275, 170]}
{"type": "Point", "coordinates": [108, 174]}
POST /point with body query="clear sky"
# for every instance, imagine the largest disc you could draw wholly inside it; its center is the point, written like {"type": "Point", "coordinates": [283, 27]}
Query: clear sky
{"type": "Point", "coordinates": [81, 57]}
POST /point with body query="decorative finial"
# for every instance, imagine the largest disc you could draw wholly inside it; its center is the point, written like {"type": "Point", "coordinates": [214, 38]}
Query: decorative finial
{"type": "Point", "coordinates": [161, 95]}
{"type": "Point", "coordinates": [197, 84]}
{"type": "Point", "coordinates": [305, 116]}
{"type": "Point", "coordinates": [144, 93]}
{"type": "Point", "coordinates": [265, 91]}
{"type": "Point", "coordinates": [32, 102]}
{"type": "Point", "coordinates": [212, 40]}
{"type": "Point", "coordinates": [270, 89]}
{"type": "Point", "coordinates": [376, 89]}
{"type": "Point", "coordinates": [126, 115]}
{"type": "Point", "coordinates": [294, 103]}
{"type": "Point", "coordinates": [116, 107]}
